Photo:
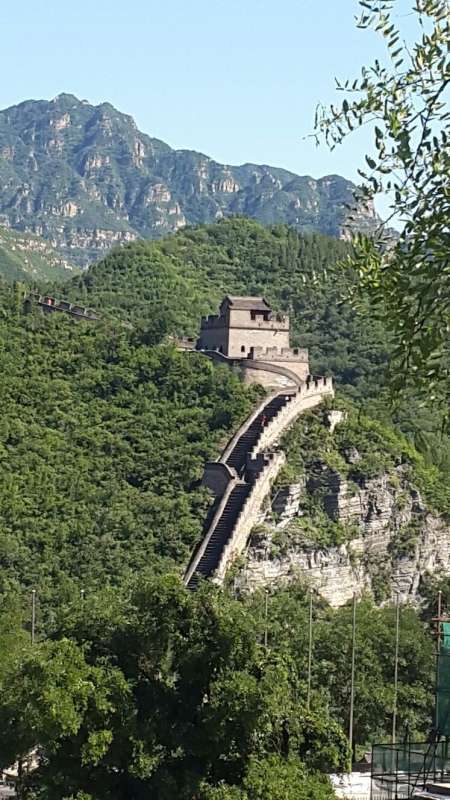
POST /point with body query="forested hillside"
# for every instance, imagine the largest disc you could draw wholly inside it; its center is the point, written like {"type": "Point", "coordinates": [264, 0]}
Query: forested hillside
{"type": "Point", "coordinates": [29, 258]}
{"type": "Point", "coordinates": [167, 285]}
{"type": "Point", "coordinates": [183, 276]}
{"type": "Point", "coordinates": [102, 445]}
{"type": "Point", "coordinates": [135, 687]}
{"type": "Point", "coordinates": [106, 427]}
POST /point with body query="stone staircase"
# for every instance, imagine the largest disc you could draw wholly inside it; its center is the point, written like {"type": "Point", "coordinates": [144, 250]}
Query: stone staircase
{"type": "Point", "coordinates": [237, 459]}
{"type": "Point", "coordinates": [249, 465]}
{"type": "Point", "coordinates": [220, 535]}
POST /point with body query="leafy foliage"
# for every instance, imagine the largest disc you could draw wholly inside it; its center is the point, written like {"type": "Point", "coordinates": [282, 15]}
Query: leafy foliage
{"type": "Point", "coordinates": [102, 446]}
{"type": "Point", "coordinates": [177, 691]}
{"type": "Point", "coordinates": [184, 276]}
{"type": "Point", "coordinates": [139, 688]}
{"type": "Point", "coordinates": [379, 450]}
{"type": "Point", "coordinates": [187, 275]}
{"type": "Point", "coordinates": [170, 693]}
{"type": "Point", "coordinates": [406, 102]}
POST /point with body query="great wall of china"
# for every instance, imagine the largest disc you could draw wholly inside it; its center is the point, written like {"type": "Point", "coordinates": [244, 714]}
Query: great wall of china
{"type": "Point", "coordinates": [245, 335]}
{"type": "Point", "coordinates": [242, 477]}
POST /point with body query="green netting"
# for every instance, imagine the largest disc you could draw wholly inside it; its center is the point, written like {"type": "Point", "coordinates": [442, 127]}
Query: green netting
{"type": "Point", "coordinates": [399, 769]}
{"type": "Point", "coordinates": [443, 683]}
{"type": "Point", "coordinates": [446, 635]}
{"type": "Point", "coordinates": [410, 757]}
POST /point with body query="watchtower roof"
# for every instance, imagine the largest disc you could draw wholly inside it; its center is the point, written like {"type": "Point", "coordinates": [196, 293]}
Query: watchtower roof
{"type": "Point", "coordinates": [246, 303]}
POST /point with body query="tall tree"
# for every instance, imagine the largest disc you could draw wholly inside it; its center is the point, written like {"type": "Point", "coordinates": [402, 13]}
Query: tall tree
{"type": "Point", "coordinates": [405, 100]}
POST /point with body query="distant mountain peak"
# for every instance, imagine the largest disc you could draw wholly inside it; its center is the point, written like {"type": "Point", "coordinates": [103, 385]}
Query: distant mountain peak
{"type": "Point", "coordinates": [65, 97]}
{"type": "Point", "coordinates": [85, 178]}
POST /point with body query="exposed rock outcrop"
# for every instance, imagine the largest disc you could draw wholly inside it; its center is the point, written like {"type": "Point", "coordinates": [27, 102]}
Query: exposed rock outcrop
{"type": "Point", "coordinates": [25, 256]}
{"type": "Point", "coordinates": [393, 538]}
{"type": "Point", "coordinates": [91, 167]}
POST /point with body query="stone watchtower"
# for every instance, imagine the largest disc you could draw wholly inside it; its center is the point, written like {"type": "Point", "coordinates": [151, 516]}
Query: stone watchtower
{"type": "Point", "coordinates": [247, 332]}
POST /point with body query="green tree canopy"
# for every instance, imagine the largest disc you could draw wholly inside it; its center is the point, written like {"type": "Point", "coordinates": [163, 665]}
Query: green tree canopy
{"type": "Point", "coordinates": [405, 99]}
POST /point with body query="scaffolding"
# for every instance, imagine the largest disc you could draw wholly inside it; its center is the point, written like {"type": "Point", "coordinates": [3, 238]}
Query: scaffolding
{"type": "Point", "coordinates": [401, 770]}
{"type": "Point", "coordinates": [398, 770]}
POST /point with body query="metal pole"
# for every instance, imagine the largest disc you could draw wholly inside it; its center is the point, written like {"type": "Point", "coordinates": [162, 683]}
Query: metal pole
{"type": "Point", "coordinates": [352, 683]}
{"type": "Point", "coordinates": [266, 615]}
{"type": "Point", "coordinates": [33, 615]}
{"type": "Point", "coordinates": [439, 613]}
{"type": "Point", "coordinates": [308, 696]}
{"type": "Point", "coordinates": [438, 650]}
{"type": "Point", "coordinates": [397, 634]}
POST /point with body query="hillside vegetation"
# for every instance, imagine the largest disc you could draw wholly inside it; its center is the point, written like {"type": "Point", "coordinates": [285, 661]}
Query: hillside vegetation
{"type": "Point", "coordinates": [135, 687]}
{"type": "Point", "coordinates": [184, 276]}
{"type": "Point", "coordinates": [167, 285]}
{"type": "Point", "coordinates": [24, 257]}
{"type": "Point", "coordinates": [93, 179]}
{"type": "Point", "coordinates": [102, 445]}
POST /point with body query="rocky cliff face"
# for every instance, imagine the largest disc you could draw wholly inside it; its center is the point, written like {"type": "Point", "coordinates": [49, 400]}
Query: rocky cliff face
{"type": "Point", "coordinates": [86, 178]}
{"type": "Point", "coordinates": [386, 539]}
{"type": "Point", "coordinates": [24, 257]}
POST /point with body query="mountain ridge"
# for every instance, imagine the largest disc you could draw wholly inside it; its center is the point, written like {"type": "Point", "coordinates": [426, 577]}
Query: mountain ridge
{"type": "Point", "coordinates": [85, 178]}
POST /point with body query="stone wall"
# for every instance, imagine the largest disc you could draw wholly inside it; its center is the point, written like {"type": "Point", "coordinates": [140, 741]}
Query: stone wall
{"type": "Point", "coordinates": [242, 318]}
{"type": "Point", "coordinates": [263, 467]}
{"type": "Point", "coordinates": [255, 335]}
{"type": "Point", "coordinates": [270, 376]}
{"type": "Point", "coordinates": [217, 476]}
{"type": "Point", "coordinates": [236, 332]}
{"type": "Point", "coordinates": [245, 425]}
{"type": "Point", "coordinates": [294, 359]}
{"type": "Point", "coordinates": [249, 515]}
{"type": "Point", "coordinates": [279, 354]}
{"type": "Point", "coordinates": [213, 338]}
{"type": "Point", "coordinates": [299, 368]}
{"type": "Point", "coordinates": [198, 553]}
{"type": "Point", "coordinates": [306, 397]}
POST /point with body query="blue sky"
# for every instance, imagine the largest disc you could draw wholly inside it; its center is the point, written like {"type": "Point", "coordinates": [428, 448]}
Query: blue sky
{"type": "Point", "coordinates": [236, 79]}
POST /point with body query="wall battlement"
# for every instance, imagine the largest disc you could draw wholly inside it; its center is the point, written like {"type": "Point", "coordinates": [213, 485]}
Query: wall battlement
{"type": "Point", "coordinates": [51, 304]}
{"type": "Point", "coordinates": [246, 329]}
{"type": "Point", "coordinates": [242, 477]}
{"type": "Point", "coordinates": [270, 322]}
{"type": "Point", "coordinates": [278, 354]}
{"type": "Point", "coordinates": [212, 321]}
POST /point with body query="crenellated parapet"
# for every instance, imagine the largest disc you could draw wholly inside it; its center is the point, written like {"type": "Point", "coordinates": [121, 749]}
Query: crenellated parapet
{"type": "Point", "coordinates": [310, 394]}
{"type": "Point", "coordinates": [295, 354]}
{"type": "Point", "coordinates": [250, 512]}
{"type": "Point", "coordinates": [211, 321]}
{"type": "Point", "coordinates": [51, 304]}
{"type": "Point", "coordinates": [242, 477]}
{"type": "Point", "coordinates": [250, 335]}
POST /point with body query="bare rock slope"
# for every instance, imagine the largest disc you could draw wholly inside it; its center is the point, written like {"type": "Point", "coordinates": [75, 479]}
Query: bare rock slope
{"type": "Point", "coordinates": [348, 527]}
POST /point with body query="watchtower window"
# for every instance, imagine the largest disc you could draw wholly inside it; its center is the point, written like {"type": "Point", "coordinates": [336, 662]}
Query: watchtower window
{"type": "Point", "coordinates": [263, 314]}
{"type": "Point", "coordinates": [242, 348]}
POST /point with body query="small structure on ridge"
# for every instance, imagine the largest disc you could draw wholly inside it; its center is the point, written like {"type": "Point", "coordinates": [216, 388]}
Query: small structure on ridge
{"type": "Point", "coordinates": [248, 333]}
